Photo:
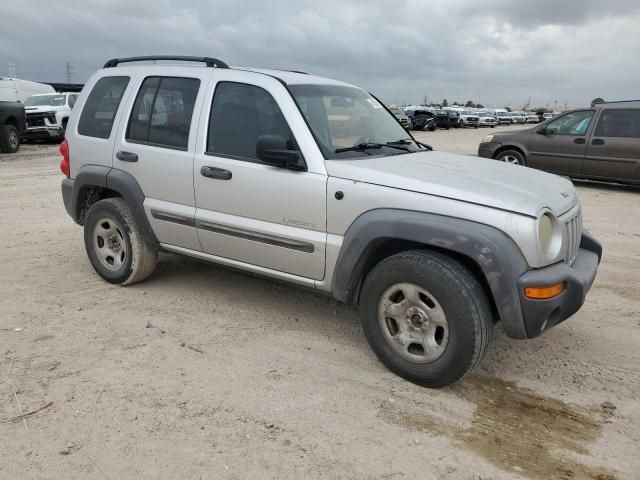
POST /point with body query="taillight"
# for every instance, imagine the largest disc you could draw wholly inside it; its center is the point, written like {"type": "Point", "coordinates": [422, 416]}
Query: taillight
{"type": "Point", "coordinates": [65, 166]}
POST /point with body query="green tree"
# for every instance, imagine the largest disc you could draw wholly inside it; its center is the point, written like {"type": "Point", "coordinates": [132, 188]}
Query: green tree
{"type": "Point", "coordinates": [470, 104]}
{"type": "Point", "coordinates": [445, 103]}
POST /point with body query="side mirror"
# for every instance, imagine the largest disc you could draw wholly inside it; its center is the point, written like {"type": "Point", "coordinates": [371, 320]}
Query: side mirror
{"type": "Point", "coordinates": [543, 131]}
{"type": "Point", "coordinates": [272, 150]}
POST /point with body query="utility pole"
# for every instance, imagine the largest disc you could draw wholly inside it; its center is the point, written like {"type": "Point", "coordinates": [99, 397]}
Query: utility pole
{"type": "Point", "coordinates": [69, 69]}
{"type": "Point", "coordinates": [12, 70]}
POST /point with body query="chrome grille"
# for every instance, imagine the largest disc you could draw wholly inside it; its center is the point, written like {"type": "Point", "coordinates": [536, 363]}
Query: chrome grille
{"type": "Point", "coordinates": [572, 236]}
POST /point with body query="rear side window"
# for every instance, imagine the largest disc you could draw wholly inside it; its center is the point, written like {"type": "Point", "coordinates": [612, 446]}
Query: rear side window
{"type": "Point", "coordinates": [619, 123]}
{"type": "Point", "coordinates": [101, 106]}
{"type": "Point", "coordinates": [162, 112]}
{"type": "Point", "coordinates": [240, 114]}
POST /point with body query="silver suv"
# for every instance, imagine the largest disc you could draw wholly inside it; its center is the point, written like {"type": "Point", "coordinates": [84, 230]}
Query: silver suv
{"type": "Point", "coordinates": [314, 182]}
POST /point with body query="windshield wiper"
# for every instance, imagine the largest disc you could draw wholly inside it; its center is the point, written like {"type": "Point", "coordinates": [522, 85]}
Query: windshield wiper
{"type": "Point", "coordinates": [409, 141]}
{"type": "Point", "coordinates": [360, 147]}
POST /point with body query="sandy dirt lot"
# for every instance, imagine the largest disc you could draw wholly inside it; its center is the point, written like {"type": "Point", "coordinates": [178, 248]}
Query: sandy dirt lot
{"type": "Point", "coordinates": [202, 372]}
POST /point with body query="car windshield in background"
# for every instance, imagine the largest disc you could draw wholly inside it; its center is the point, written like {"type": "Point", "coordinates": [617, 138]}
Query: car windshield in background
{"type": "Point", "coordinates": [45, 100]}
{"type": "Point", "coordinates": [347, 122]}
{"type": "Point", "coordinates": [503, 114]}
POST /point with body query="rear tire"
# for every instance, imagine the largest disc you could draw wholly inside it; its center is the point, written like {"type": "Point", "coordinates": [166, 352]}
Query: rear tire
{"type": "Point", "coordinates": [406, 298]}
{"type": "Point", "coordinates": [116, 248]}
{"type": "Point", "coordinates": [9, 139]}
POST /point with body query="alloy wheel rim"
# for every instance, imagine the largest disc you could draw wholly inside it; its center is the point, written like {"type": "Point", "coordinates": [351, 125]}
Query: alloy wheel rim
{"type": "Point", "coordinates": [511, 160]}
{"type": "Point", "coordinates": [109, 244]}
{"type": "Point", "coordinates": [13, 139]}
{"type": "Point", "coordinates": [413, 323]}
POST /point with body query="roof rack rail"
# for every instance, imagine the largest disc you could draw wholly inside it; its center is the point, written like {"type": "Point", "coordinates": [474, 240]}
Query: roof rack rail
{"type": "Point", "coordinates": [208, 61]}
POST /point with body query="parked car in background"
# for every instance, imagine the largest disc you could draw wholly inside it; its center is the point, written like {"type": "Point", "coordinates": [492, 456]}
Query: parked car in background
{"type": "Point", "coordinates": [532, 117]}
{"type": "Point", "coordinates": [519, 117]}
{"type": "Point", "coordinates": [487, 119]}
{"type": "Point", "coordinates": [504, 117]}
{"type": "Point", "coordinates": [402, 117]}
{"type": "Point", "coordinates": [421, 120]}
{"type": "Point", "coordinates": [16, 90]}
{"type": "Point", "coordinates": [12, 124]}
{"type": "Point", "coordinates": [599, 143]}
{"type": "Point", "coordinates": [454, 118]}
{"type": "Point", "coordinates": [469, 119]}
{"type": "Point", "coordinates": [418, 240]}
{"type": "Point", "coordinates": [443, 120]}
{"type": "Point", "coordinates": [48, 114]}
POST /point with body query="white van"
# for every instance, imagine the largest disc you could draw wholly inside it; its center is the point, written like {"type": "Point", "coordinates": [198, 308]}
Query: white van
{"type": "Point", "coordinates": [15, 90]}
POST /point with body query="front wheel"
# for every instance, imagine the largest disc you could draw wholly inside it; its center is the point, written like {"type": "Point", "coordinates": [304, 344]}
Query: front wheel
{"type": "Point", "coordinates": [426, 317]}
{"type": "Point", "coordinates": [512, 157]}
{"type": "Point", "coordinates": [116, 248]}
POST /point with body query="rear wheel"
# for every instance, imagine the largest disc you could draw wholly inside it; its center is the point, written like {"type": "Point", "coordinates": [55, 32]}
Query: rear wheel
{"type": "Point", "coordinates": [116, 248]}
{"type": "Point", "coordinates": [426, 317]}
{"type": "Point", "coordinates": [512, 157]}
{"type": "Point", "coordinates": [9, 139]}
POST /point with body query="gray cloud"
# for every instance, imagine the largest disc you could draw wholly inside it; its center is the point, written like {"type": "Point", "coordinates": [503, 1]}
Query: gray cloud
{"type": "Point", "coordinates": [495, 51]}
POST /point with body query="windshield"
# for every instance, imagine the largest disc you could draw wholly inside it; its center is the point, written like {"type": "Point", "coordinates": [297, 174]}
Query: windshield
{"type": "Point", "coordinates": [45, 100]}
{"type": "Point", "coordinates": [503, 114]}
{"type": "Point", "coordinates": [345, 117]}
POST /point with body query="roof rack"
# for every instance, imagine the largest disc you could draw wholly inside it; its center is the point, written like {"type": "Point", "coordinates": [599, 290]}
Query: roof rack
{"type": "Point", "coordinates": [208, 61]}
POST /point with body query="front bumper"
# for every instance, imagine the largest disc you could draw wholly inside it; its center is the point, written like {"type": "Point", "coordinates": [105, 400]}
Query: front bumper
{"type": "Point", "coordinates": [488, 150]}
{"type": "Point", "coordinates": [540, 315]}
{"type": "Point", "coordinates": [34, 133]}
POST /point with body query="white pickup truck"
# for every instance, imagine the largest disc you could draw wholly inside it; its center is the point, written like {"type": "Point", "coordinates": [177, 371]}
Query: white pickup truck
{"type": "Point", "coordinates": [48, 114]}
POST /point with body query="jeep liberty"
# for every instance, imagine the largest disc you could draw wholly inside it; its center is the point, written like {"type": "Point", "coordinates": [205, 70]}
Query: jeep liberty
{"type": "Point", "coordinates": [314, 182]}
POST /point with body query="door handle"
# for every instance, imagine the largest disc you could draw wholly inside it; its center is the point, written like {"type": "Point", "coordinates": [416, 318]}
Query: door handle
{"type": "Point", "coordinates": [217, 173]}
{"type": "Point", "coordinates": [127, 156]}
{"type": "Point", "coordinates": [580, 141]}
{"type": "Point", "coordinates": [597, 141]}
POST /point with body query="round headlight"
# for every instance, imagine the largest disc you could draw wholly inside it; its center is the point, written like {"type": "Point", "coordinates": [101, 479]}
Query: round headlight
{"type": "Point", "coordinates": [487, 139]}
{"type": "Point", "coordinates": [549, 235]}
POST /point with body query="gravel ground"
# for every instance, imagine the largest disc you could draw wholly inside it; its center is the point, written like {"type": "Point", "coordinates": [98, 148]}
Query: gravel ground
{"type": "Point", "coordinates": [202, 372]}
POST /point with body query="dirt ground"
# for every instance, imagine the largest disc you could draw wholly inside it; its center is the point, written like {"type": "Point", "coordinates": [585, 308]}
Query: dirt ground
{"type": "Point", "coordinates": [202, 372]}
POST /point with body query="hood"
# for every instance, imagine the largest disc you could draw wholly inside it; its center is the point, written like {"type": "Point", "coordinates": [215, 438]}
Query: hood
{"type": "Point", "coordinates": [460, 177]}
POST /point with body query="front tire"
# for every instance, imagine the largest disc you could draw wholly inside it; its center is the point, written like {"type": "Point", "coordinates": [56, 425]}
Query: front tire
{"type": "Point", "coordinates": [9, 139]}
{"type": "Point", "coordinates": [116, 248]}
{"type": "Point", "coordinates": [426, 317]}
{"type": "Point", "coordinates": [512, 157]}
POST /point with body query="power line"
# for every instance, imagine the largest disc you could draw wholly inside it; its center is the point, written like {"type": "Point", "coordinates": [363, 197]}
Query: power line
{"type": "Point", "coordinates": [69, 69]}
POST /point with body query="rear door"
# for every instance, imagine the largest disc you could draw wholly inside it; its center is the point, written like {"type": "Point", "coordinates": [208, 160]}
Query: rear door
{"type": "Point", "coordinates": [614, 148]}
{"type": "Point", "coordinates": [156, 144]}
{"type": "Point", "coordinates": [560, 145]}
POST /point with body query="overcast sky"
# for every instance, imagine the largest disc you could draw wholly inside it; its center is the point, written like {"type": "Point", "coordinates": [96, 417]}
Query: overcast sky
{"type": "Point", "coordinates": [496, 52]}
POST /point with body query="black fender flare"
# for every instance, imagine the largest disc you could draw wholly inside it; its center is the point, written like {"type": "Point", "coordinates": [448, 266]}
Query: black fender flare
{"type": "Point", "coordinates": [495, 254]}
{"type": "Point", "coordinates": [119, 181]}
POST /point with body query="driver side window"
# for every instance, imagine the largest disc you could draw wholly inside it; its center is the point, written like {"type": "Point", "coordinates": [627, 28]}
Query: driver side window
{"type": "Point", "coordinates": [574, 123]}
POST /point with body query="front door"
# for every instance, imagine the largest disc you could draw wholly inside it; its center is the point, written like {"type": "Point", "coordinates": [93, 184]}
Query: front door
{"type": "Point", "coordinates": [248, 211]}
{"type": "Point", "coordinates": [614, 149]}
{"type": "Point", "coordinates": [559, 146]}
